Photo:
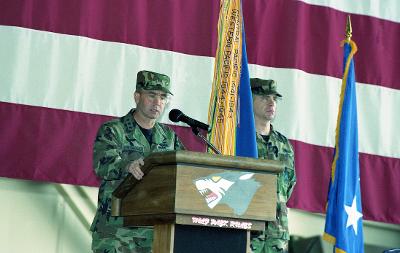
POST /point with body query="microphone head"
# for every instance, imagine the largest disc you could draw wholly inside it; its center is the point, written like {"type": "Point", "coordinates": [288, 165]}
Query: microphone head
{"type": "Point", "coordinates": [174, 115]}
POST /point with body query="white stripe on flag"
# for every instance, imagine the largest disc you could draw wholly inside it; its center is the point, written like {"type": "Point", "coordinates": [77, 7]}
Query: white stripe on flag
{"type": "Point", "coordinates": [388, 9]}
{"type": "Point", "coordinates": [86, 75]}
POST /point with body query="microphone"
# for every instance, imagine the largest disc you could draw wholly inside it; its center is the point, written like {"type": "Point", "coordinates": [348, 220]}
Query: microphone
{"type": "Point", "coordinates": [176, 115]}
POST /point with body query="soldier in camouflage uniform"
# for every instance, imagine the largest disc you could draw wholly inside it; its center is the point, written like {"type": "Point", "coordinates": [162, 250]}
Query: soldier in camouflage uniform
{"type": "Point", "coordinates": [119, 149]}
{"type": "Point", "coordinates": [272, 145]}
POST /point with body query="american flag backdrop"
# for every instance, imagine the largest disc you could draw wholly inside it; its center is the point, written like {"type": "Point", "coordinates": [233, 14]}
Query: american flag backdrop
{"type": "Point", "coordinates": [66, 66]}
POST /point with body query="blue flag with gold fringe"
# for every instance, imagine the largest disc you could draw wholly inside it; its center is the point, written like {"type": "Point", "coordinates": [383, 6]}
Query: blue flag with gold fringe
{"type": "Point", "coordinates": [343, 225]}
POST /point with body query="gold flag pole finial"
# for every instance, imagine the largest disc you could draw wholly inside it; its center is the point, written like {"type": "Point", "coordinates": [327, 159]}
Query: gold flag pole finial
{"type": "Point", "coordinates": [348, 28]}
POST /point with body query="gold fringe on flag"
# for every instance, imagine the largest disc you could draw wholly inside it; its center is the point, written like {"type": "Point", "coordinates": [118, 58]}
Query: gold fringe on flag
{"type": "Point", "coordinates": [227, 67]}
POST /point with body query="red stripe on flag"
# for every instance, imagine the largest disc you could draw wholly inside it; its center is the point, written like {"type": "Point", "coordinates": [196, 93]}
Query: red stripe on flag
{"type": "Point", "coordinates": [284, 34]}
{"type": "Point", "coordinates": [44, 144]}
{"type": "Point", "coordinates": [379, 182]}
{"type": "Point", "coordinates": [183, 25]}
{"type": "Point", "coordinates": [52, 145]}
{"type": "Point", "coordinates": [47, 145]}
{"type": "Point", "coordinates": [380, 188]}
{"type": "Point", "coordinates": [293, 34]}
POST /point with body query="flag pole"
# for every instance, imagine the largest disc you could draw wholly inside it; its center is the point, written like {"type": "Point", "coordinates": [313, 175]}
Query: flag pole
{"type": "Point", "coordinates": [343, 223]}
{"type": "Point", "coordinates": [349, 30]}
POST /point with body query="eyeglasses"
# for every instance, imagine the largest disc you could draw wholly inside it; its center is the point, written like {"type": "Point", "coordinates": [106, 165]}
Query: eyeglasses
{"type": "Point", "coordinates": [152, 96]}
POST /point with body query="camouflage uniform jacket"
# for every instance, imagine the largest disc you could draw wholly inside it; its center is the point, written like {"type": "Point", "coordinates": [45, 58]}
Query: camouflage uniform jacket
{"type": "Point", "coordinates": [119, 142]}
{"type": "Point", "coordinates": [279, 148]}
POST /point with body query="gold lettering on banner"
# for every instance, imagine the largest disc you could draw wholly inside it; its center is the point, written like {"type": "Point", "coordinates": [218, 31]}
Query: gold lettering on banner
{"type": "Point", "coordinates": [223, 102]}
{"type": "Point", "coordinates": [230, 74]}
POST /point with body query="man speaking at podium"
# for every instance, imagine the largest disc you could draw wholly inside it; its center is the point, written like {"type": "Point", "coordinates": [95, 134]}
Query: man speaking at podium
{"type": "Point", "coordinates": [119, 149]}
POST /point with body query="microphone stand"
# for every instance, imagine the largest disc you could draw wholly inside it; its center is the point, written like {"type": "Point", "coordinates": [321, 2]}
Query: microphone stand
{"type": "Point", "coordinates": [196, 131]}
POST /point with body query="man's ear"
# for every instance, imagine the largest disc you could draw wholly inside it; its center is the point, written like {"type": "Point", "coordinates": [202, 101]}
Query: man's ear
{"type": "Point", "coordinates": [136, 96]}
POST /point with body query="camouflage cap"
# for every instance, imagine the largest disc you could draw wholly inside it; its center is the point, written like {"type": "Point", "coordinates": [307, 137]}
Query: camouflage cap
{"type": "Point", "coordinates": [148, 80]}
{"type": "Point", "coordinates": [264, 87]}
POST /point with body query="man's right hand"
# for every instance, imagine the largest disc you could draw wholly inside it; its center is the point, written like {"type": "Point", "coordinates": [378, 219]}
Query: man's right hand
{"type": "Point", "coordinates": [134, 168]}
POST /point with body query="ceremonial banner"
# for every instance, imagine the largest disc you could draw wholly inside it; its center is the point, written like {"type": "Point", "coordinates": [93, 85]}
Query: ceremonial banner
{"type": "Point", "coordinates": [230, 110]}
{"type": "Point", "coordinates": [223, 100]}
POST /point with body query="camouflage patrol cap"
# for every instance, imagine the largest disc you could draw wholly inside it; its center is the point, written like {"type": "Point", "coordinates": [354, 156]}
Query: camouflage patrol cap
{"type": "Point", "coordinates": [264, 87]}
{"type": "Point", "coordinates": [148, 80]}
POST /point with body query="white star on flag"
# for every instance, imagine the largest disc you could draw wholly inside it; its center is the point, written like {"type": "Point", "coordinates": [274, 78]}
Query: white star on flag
{"type": "Point", "coordinates": [353, 215]}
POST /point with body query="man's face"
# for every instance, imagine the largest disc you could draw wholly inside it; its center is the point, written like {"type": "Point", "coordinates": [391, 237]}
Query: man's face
{"type": "Point", "coordinates": [151, 103]}
{"type": "Point", "coordinates": [264, 106]}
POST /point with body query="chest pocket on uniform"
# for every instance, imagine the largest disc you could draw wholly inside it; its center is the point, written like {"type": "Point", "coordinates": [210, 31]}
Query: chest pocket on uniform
{"type": "Point", "coordinates": [286, 158]}
{"type": "Point", "coordinates": [132, 151]}
{"type": "Point", "coordinates": [272, 152]}
{"type": "Point", "coordinates": [283, 157]}
{"type": "Point", "coordinates": [164, 145]}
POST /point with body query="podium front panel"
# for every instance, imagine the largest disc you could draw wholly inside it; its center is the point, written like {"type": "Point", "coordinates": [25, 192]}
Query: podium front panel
{"type": "Point", "coordinates": [225, 192]}
{"type": "Point", "coordinates": [154, 194]}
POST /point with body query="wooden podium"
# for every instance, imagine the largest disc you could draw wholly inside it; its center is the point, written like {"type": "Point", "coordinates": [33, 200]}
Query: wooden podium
{"type": "Point", "coordinates": [199, 192]}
